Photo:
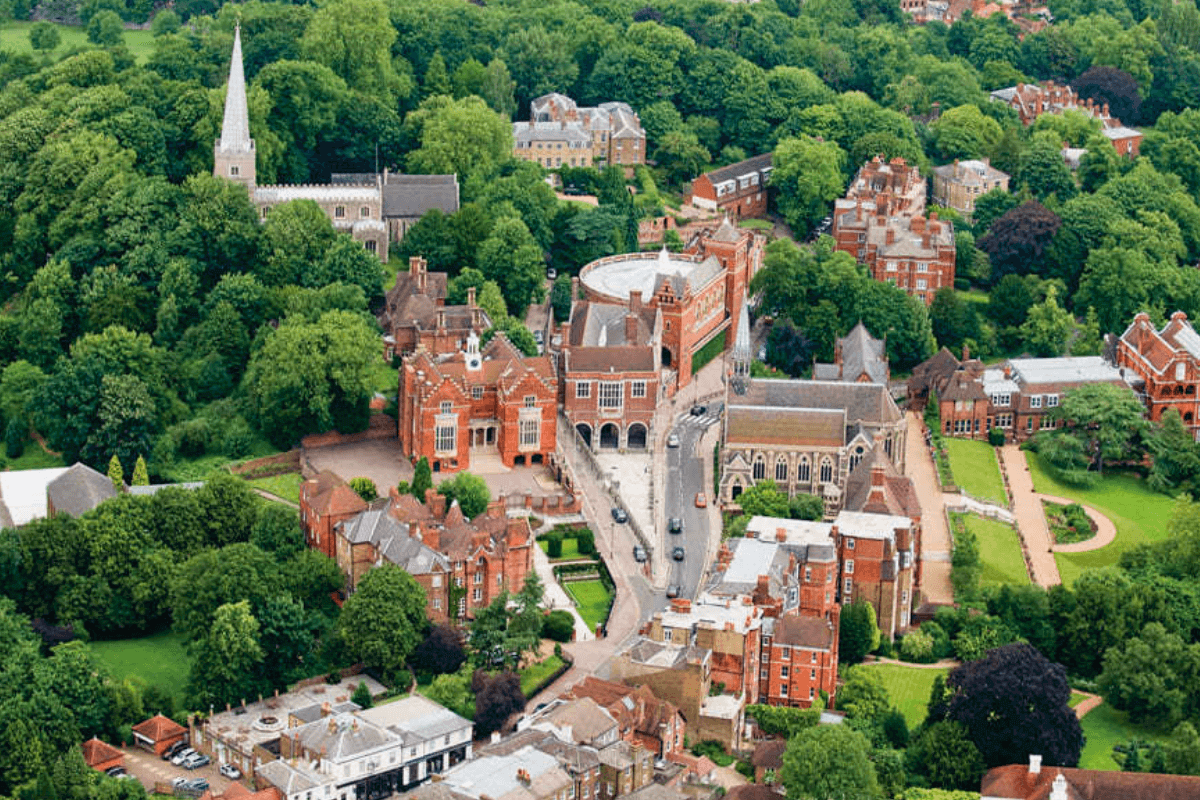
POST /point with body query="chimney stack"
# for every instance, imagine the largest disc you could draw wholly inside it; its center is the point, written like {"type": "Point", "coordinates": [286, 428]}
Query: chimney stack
{"type": "Point", "coordinates": [635, 300]}
{"type": "Point", "coordinates": [1035, 764]}
{"type": "Point", "coordinates": [631, 324]}
{"type": "Point", "coordinates": [470, 296]}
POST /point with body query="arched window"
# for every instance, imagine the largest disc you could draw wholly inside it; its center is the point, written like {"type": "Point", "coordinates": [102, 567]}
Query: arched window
{"type": "Point", "coordinates": [803, 475]}
{"type": "Point", "coordinates": [781, 470]}
{"type": "Point", "coordinates": [826, 470]}
{"type": "Point", "coordinates": [1187, 417]}
{"type": "Point", "coordinates": [760, 469]}
{"type": "Point", "coordinates": [856, 457]}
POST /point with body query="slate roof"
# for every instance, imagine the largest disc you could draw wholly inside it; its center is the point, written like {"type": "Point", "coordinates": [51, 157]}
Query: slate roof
{"type": "Point", "coordinates": [416, 195]}
{"type": "Point", "coordinates": [752, 791]}
{"type": "Point", "coordinates": [1015, 782]}
{"type": "Point", "coordinates": [735, 171]}
{"type": "Point", "coordinates": [861, 401]}
{"type": "Point", "coordinates": [860, 353]}
{"type": "Point", "coordinates": [289, 779]}
{"type": "Point", "coordinates": [79, 490]}
{"type": "Point", "coordinates": [341, 736]}
{"type": "Point", "coordinates": [585, 716]}
{"type": "Point", "coordinates": [798, 412]}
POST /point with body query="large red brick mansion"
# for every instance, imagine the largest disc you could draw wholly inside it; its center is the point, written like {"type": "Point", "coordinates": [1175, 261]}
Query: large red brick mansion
{"type": "Point", "coordinates": [1163, 366]}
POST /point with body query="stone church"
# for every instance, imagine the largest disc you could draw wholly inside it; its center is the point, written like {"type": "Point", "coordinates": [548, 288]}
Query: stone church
{"type": "Point", "coordinates": [374, 209]}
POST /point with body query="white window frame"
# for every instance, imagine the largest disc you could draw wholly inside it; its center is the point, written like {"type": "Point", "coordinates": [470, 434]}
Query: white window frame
{"type": "Point", "coordinates": [583, 390]}
{"type": "Point", "coordinates": [531, 432]}
{"type": "Point", "coordinates": [611, 396]}
{"type": "Point", "coordinates": [445, 438]}
{"type": "Point", "coordinates": [1035, 401]}
{"type": "Point", "coordinates": [1051, 401]}
{"type": "Point", "coordinates": [637, 389]}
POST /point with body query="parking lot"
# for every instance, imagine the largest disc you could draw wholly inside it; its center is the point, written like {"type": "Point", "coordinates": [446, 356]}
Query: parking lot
{"type": "Point", "coordinates": [150, 769]}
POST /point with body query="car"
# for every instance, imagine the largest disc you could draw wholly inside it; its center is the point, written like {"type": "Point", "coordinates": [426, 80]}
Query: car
{"type": "Point", "coordinates": [677, 553]}
{"type": "Point", "coordinates": [179, 780]}
{"type": "Point", "coordinates": [196, 761]}
{"type": "Point", "coordinates": [698, 410]}
{"type": "Point", "coordinates": [675, 525]}
{"type": "Point", "coordinates": [552, 273]}
{"type": "Point", "coordinates": [196, 784]}
{"type": "Point", "coordinates": [231, 772]}
{"type": "Point", "coordinates": [673, 591]}
{"type": "Point", "coordinates": [539, 337]}
{"type": "Point", "coordinates": [639, 554]}
{"type": "Point", "coordinates": [173, 750]}
{"type": "Point", "coordinates": [182, 755]}
{"type": "Point", "coordinates": [619, 515]}
{"type": "Point", "coordinates": [673, 440]}
{"type": "Point", "coordinates": [701, 500]}
{"type": "Point", "coordinates": [115, 772]}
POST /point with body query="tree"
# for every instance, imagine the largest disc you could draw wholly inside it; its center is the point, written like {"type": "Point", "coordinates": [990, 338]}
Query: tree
{"type": "Point", "coordinates": [116, 474]}
{"type": "Point", "coordinates": [362, 695]}
{"type": "Point", "coordinates": [1107, 419]}
{"type": "Point", "coordinates": [764, 499]}
{"type": "Point", "coordinates": [440, 652]}
{"type": "Point", "coordinates": [964, 132]}
{"type": "Point", "coordinates": [140, 475]}
{"type": "Point", "coordinates": [807, 177]}
{"type": "Point", "coordinates": [165, 22]}
{"type": "Point", "coordinates": [214, 578]}
{"type": "Point", "coordinates": [277, 531]}
{"type": "Point", "coordinates": [422, 480]}
{"type": "Point", "coordinates": [354, 38]}
{"type": "Point", "coordinates": [829, 762]}
{"type": "Point", "coordinates": [1175, 454]}
{"type": "Point", "coordinates": [469, 491]}
{"type": "Point", "coordinates": [1014, 703]}
{"type": "Point", "coordinates": [498, 699]}
{"type": "Point", "coordinates": [1048, 326]}
{"type": "Point", "coordinates": [105, 29]}
{"type": "Point", "coordinates": [364, 488]}
{"type": "Point", "coordinates": [1113, 87]}
{"type": "Point", "coordinates": [1152, 676]}
{"type": "Point", "coordinates": [19, 384]}
{"type": "Point", "coordinates": [452, 690]}
{"type": "Point", "coordinates": [858, 634]}
{"type": "Point", "coordinates": [226, 658]}
{"type": "Point", "coordinates": [806, 506]}
{"type": "Point", "coordinates": [462, 136]}
{"type": "Point", "coordinates": [945, 756]}
{"type": "Point", "coordinates": [512, 258]}
{"type": "Point", "coordinates": [560, 298]}
{"type": "Point", "coordinates": [382, 621]}
{"type": "Point", "coordinates": [44, 36]}
{"type": "Point", "coordinates": [228, 507]}
{"type": "Point", "coordinates": [863, 695]}
{"type": "Point", "coordinates": [1016, 241]}
{"type": "Point", "coordinates": [783, 721]}
{"type": "Point", "coordinates": [1182, 751]}
{"type": "Point", "coordinates": [1043, 172]}
{"type": "Point", "coordinates": [559, 626]}
{"type": "Point", "coordinates": [499, 89]}
{"type": "Point", "coordinates": [953, 319]}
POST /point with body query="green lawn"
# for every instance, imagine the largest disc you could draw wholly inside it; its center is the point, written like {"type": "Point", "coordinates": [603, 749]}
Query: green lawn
{"type": "Point", "coordinates": [570, 549]}
{"type": "Point", "coordinates": [14, 37]}
{"type": "Point", "coordinates": [532, 676]}
{"type": "Point", "coordinates": [159, 660]}
{"type": "Point", "coordinates": [286, 486]}
{"type": "Point", "coordinates": [909, 688]}
{"type": "Point", "coordinates": [1077, 698]}
{"type": "Point", "coordinates": [975, 469]}
{"type": "Point", "coordinates": [1139, 513]}
{"type": "Point", "coordinates": [385, 379]}
{"type": "Point", "coordinates": [999, 551]}
{"type": "Point", "coordinates": [1104, 726]}
{"type": "Point", "coordinates": [34, 457]}
{"type": "Point", "coordinates": [592, 599]}
{"type": "Point", "coordinates": [756, 224]}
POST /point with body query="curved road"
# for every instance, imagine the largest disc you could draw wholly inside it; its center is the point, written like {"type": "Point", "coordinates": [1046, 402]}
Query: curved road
{"type": "Point", "coordinates": [685, 478]}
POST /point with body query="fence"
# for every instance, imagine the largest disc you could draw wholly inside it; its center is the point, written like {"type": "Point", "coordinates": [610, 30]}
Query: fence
{"type": "Point", "coordinates": [380, 426]}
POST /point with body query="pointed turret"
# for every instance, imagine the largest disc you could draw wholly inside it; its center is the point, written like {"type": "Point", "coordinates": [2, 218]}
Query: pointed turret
{"type": "Point", "coordinates": [233, 153]}
{"type": "Point", "coordinates": [741, 355]}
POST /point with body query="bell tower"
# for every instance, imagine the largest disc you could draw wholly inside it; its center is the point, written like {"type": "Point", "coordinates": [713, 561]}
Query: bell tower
{"type": "Point", "coordinates": [233, 153]}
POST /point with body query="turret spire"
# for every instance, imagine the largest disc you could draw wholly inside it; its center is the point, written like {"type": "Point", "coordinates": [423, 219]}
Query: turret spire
{"type": "Point", "coordinates": [235, 130]}
{"type": "Point", "coordinates": [741, 355]}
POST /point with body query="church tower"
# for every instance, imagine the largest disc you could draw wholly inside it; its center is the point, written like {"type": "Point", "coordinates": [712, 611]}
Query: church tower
{"type": "Point", "coordinates": [233, 153]}
{"type": "Point", "coordinates": [740, 355]}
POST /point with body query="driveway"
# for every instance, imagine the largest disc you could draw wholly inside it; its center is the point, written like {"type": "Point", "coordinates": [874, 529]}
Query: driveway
{"type": "Point", "coordinates": [935, 536]}
{"type": "Point", "coordinates": [149, 768]}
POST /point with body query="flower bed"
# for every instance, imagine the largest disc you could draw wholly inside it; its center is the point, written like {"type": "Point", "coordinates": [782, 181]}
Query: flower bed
{"type": "Point", "coordinates": [1068, 523]}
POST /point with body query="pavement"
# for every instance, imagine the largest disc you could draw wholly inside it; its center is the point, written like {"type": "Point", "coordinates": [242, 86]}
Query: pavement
{"type": "Point", "coordinates": [935, 535]}
{"type": "Point", "coordinates": [1031, 518]}
{"type": "Point", "coordinates": [149, 768]}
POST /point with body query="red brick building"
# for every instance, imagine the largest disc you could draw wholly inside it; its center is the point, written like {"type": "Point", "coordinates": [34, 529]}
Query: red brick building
{"type": "Point", "coordinates": [462, 564]}
{"type": "Point", "coordinates": [1035, 782]}
{"type": "Point", "coordinates": [643, 719]}
{"type": "Point", "coordinates": [739, 190]}
{"type": "Point", "coordinates": [415, 314]}
{"type": "Point", "coordinates": [101, 756]}
{"type": "Point", "coordinates": [799, 661]}
{"type": "Point", "coordinates": [158, 733]}
{"type": "Point", "coordinates": [1031, 100]}
{"type": "Point", "coordinates": [325, 501]}
{"type": "Point", "coordinates": [697, 293]}
{"type": "Point", "coordinates": [491, 401]}
{"type": "Point", "coordinates": [1166, 364]}
{"type": "Point", "coordinates": [892, 188]}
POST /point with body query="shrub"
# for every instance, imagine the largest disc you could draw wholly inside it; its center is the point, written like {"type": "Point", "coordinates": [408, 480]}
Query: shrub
{"type": "Point", "coordinates": [554, 541]}
{"type": "Point", "coordinates": [585, 540]}
{"type": "Point", "coordinates": [14, 439]}
{"type": "Point", "coordinates": [917, 646]}
{"type": "Point", "coordinates": [558, 625]}
{"type": "Point", "coordinates": [362, 695]}
{"type": "Point", "coordinates": [364, 488]}
{"type": "Point", "coordinates": [996, 437]}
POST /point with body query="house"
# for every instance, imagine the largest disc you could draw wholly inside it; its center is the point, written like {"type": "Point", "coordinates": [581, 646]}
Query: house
{"type": "Point", "coordinates": [579, 720]}
{"type": "Point", "coordinates": [738, 190]}
{"type": "Point", "coordinates": [372, 209]}
{"type": "Point", "coordinates": [643, 719]}
{"type": "Point", "coordinates": [768, 758]}
{"type": "Point", "coordinates": [960, 184]}
{"type": "Point", "coordinates": [580, 762]}
{"type": "Point", "coordinates": [799, 660]}
{"type": "Point", "coordinates": [1031, 100]}
{"type": "Point", "coordinates": [489, 401]}
{"type": "Point", "coordinates": [158, 733]}
{"type": "Point", "coordinates": [526, 774]}
{"type": "Point", "coordinates": [461, 564]}
{"type": "Point", "coordinates": [1035, 782]}
{"type": "Point", "coordinates": [325, 501]}
{"type": "Point", "coordinates": [101, 756]}
{"type": "Point", "coordinates": [560, 133]}
{"type": "Point", "coordinates": [698, 293]}
{"type": "Point", "coordinates": [1163, 366]}
{"type": "Point", "coordinates": [624, 769]}
{"type": "Point", "coordinates": [23, 495]}
{"type": "Point", "coordinates": [415, 314]}
{"type": "Point", "coordinates": [891, 188]}
{"type": "Point", "coordinates": [77, 491]}
{"type": "Point", "coordinates": [858, 357]}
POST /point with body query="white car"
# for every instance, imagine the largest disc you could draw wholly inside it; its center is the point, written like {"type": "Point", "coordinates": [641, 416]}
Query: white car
{"type": "Point", "coordinates": [673, 440]}
{"type": "Point", "coordinates": [182, 756]}
{"type": "Point", "coordinates": [231, 772]}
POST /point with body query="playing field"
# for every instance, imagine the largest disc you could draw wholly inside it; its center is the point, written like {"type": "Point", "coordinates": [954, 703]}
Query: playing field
{"type": "Point", "coordinates": [14, 37]}
{"type": "Point", "coordinates": [159, 660]}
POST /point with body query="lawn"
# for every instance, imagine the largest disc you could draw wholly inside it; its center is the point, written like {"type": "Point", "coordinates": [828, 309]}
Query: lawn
{"type": "Point", "coordinates": [1104, 726]}
{"type": "Point", "coordinates": [570, 549]}
{"type": "Point", "coordinates": [975, 469]}
{"type": "Point", "coordinates": [159, 660]}
{"type": "Point", "coordinates": [385, 378]}
{"type": "Point", "coordinates": [909, 688]}
{"type": "Point", "coordinates": [533, 675]}
{"type": "Point", "coordinates": [756, 224]}
{"type": "Point", "coordinates": [14, 37]}
{"type": "Point", "coordinates": [592, 600]}
{"type": "Point", "coordinates": [999, 551]}
{"type": "Point", "coordinates": [1076, 699]}
{"type": "Point", "coordinates": [34, 457]}
{"type": "Point", "coordinates": [1139, 513]}
{"type": "Point", "coordinates": [285, 486]}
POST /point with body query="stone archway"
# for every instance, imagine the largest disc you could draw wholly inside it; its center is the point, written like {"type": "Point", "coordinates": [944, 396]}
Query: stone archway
{"type": "Point", "coordinates": [666, 357]}
{"type": "Point", "coordinates": [585, 433]}
{"type": "Point", "coordinates": [610, 436]}
{"type": "Point", "coordinates": [637, 436]}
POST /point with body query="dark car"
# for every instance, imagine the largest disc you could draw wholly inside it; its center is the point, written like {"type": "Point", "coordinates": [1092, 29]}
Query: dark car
{"type": "Point", "coordinates": [673, 591]}
{"type": "Point", "coordinates": [619, 514]}
{"type": "Point", "coordinates": [196, 784]}
{"type": "Point", "coordinates": [698, 410]}
{"type": "Point", "coordinates": [677, 553]}
{"type": "Point", "coordinates": [675, 525]}
{"type": "Point", "coordinates": [639, 554]}
{"type": "Point", "coordinates": [174, 750]}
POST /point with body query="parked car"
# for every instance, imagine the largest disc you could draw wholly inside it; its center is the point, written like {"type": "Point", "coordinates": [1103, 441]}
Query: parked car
{"type": "Point", "coordinates": [673, 440]}
{"type": "Point", "coordinates": [115, 772]}
{"type": "Point", "coordinates": [701, 500]}
{"type": "Point", "coordinates": [619, 514]}
{"type": "Point", "coordinates": [698, 410]}
{"type": "Point", "coordinates": [673, 591]}
{"type": "Point", "coordinates": [551, 272]}
{"type": "Point", "coordinates": [231, 772]}
{"type": "Point", "coordinates": [182, 755]}
{"type": "Point", "coordinates": [677, 553]}
{"type": "Point", "coordinates": [675, 525]}
{"type": "Point", "coordinates": [639, 554]}
{"type": "Point", "coordinates": [196, 784]}
{"type": "Point", "coordinates": [174, 750]}
{"type": "Point", "coordinates": [196, 761]}
{"type": "Point", "coordinates": [178, 780]}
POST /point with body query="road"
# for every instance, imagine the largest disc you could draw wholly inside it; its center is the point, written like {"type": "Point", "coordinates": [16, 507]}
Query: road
{"type": "Point", "coordinates": [685, 479]}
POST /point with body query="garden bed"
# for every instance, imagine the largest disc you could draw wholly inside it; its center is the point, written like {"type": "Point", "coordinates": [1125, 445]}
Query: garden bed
{"type": "Point", "coordinates": [1068, 524]}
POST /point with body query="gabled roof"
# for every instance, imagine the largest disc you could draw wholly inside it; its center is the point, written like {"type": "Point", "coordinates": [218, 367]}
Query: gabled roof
{"type": "Point", "coordinates": [899, 496]}
{"type": "Point", "coordinates": [79, 490]}
{"type": "Point", "coordinates": [415, 195]}
{"type": "Point", "coordinates": [1016, 782]}
{"type": "Point", "coordinates": [735, 171]}
{"type": "Point", "coordinates": [98, 752]}
{"type": "Point", "coordinates": [769, 755]}
{"type": "Point", "coordinates": [329, 494]}
{"type": "Point", "coordinates": [159, 728]}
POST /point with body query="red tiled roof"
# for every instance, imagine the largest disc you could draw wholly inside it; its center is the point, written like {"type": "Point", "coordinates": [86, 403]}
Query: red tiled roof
{"type": "Point", "coordinates": [804, 632]}
{"type": "Point", "coordinates": [1016, 782]}
{"type": "Point", "coordinates": [159, 728]}
{"type": "Point", "coordinates": [97, 752]}
{"type": "Point", "coordinates": [769, 755]}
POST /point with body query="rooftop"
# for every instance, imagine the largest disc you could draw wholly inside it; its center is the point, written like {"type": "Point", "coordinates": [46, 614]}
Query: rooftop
{"type": "Point", "coordinates": [416, 718]}
{"type": "Point", "coordinates": [721, 706]}
{"type": "Point", "coordinates": [496, 776]}
{"type": "Point", "coordinates": [1073, 369]}
{"type": "Point", "coordinates": [870, 526]}
{"type": "Point", "coordinates": [23, 494]}
{"type": "Point", "coordinates": [617, 276]}
{"type": "Point", "coordinates": [79, 489]}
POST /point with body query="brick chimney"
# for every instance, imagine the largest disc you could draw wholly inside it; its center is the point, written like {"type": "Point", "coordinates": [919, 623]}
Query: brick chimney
{"type": "Point", "coordinates": [635, 300]}
{"type": "Point", "coordinates": [681, 605]}
{"type": "Point", "coordinates": [891, 235]}
{"type": "Point", "coordinates": [780, 535]}
{"type": "Point", "coordinates": [1007, 371]}
{"type": "Point", "coordinates": [878, 493]}
{"type": "Point", "coordinates": [417, 268]}
{"type": "Point", "coordinates": [470, 297]}
{"type": "Point", "coordinates": [631, 325]}
{"type": "Point", "coordinates": [436, 503]}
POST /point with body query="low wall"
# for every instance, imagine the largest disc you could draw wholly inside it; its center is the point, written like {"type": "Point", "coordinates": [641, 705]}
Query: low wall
{"type": "Point", "coordinates": [270, 465]}
{"type": "Point", "coordinates": [381, 426]}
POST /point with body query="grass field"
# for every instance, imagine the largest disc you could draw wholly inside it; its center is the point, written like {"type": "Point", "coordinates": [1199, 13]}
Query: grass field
{"type": "Point", "coordinates": [908, 687]}
{"type": "Point", "coordinates": [1104, 726]}
{"type": "Point", "coordinates": [756, 224]}
{"type": "Point", "coordinates": [14, 37]}
{"type": "Point", "coordinates": [532, 676]}
{"type": "Point", "coordinates": [159, 660]}
{"type": "Point", "coordinates": [1139, 513]}
{"type": "Point", "coordinates": [1077, 698]}
{"type": "Point", "coordinates": [592, 599]}
{"type": "Point", "coordinates": [975, 469]}
{"type": "Point", "coordinates": [285, 487]}
{"type": "Point", "coordinates": [999, 551]}
{"type": "Point", "coordinates": [34, 457]}
{"type": "Point", "coordinates": [570, 549]}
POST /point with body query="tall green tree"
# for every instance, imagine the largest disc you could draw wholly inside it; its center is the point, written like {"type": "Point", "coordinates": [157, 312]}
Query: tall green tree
{"type": "Point", "coordinates": [1106, 419]}
{"type": "Point", "coordinates": [384, 619]}
{"type": "Point", "coordinates": [226, 658]}
{"type": "Point", "coordinates": [829, 762]}
{"type": "Point", "coordinates": [512, 258]}
{"type": "Point", "coordinates": [354, 38]}
{"type": "Point", "coordinates": [858, 633]}
{"type": "Point", "coordinates": [807, 176]}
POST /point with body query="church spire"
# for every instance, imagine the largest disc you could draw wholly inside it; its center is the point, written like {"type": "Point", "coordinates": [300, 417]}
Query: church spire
{"type": "Point", "coordinates": [233, 153]}
{"type": "Point", "coordinates": [741, 355]}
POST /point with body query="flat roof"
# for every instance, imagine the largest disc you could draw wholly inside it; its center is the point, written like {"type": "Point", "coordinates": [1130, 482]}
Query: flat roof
{"type": "Point", "coordinates": [875, 526]}
{"type": "Point", "coordinates": [618, 276]}
{"type": "Point", "coordinates": [23, 492]}
{"type": "Point", "coordinates": [1072, 369]}
{"type": "Point", "coordinates": [721, 706]}
{"type": "Point", "coordinates": [714, 612]}
{"type": "Point", "coordinates": [797, 531]}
